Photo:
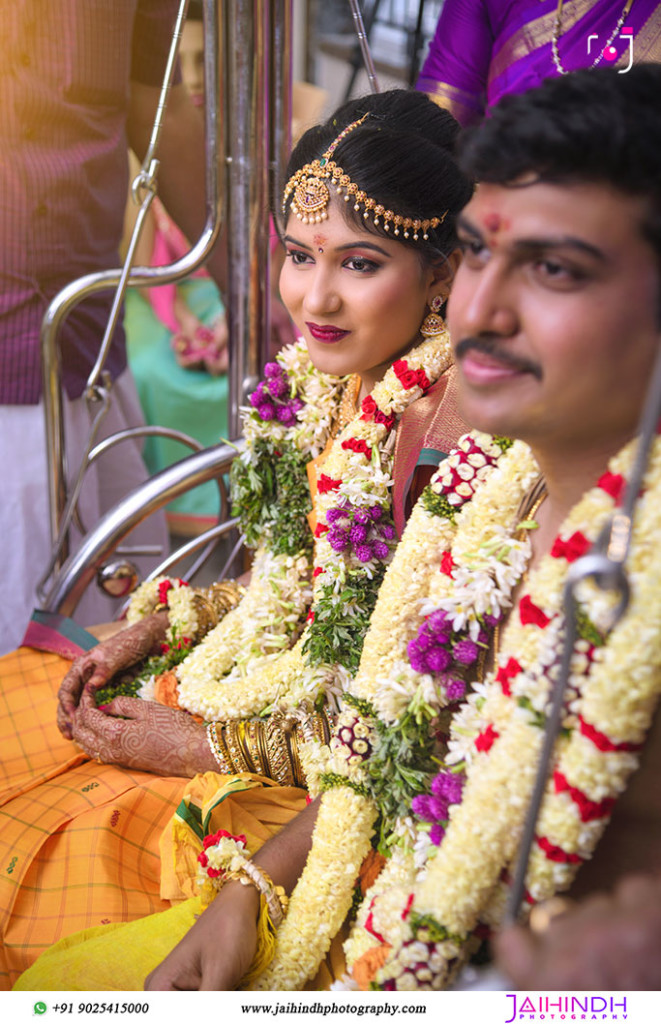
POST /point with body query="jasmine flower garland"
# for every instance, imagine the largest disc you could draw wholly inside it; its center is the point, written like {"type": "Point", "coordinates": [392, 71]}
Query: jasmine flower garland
{"type": "Point", "coordinates": [295, 639]}
{"type": "Point", "coordinates": [441, 883]}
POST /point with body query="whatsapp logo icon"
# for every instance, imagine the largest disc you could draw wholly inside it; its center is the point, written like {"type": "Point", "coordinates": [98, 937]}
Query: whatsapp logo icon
{"type": "Point", "coordinates": [40, 1008]}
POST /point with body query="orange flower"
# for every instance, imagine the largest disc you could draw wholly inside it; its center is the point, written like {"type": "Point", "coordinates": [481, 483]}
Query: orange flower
{"type": "Point", "coordinates": [366, 966]}
{"type": "Point", "coordinates": [166, 692]}
{"type": "Point", "coordinates": [370, 870]}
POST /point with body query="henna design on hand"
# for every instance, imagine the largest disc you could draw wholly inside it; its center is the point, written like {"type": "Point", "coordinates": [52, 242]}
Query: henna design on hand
{"type": "Point", "coordinates": [96, 667]}
{"type": "Point", "coordinates": [148, 736]}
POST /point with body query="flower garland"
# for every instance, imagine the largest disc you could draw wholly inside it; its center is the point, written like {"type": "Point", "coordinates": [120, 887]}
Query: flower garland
{"type": "Point", "coordinates": [446, 878]}
{"type": "Point", "coordinates": [297, 634]}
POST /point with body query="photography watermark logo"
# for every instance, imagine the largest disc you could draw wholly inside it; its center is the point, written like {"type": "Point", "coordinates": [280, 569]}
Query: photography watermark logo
{"type": "Point", "coordinates": [610, 53]}
{"type": "Point", "coordinates": [557, 1007]}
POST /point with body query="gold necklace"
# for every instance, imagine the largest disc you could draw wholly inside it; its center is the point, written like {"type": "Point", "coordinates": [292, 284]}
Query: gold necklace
{"type": "Point", "coordinates": [556, 33]}
{"type": "Point", "coordinates": [348, 406]}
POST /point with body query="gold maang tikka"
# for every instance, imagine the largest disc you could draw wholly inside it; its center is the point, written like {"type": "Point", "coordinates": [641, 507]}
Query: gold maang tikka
{"type": "Point", "coordinates": [312, 185]}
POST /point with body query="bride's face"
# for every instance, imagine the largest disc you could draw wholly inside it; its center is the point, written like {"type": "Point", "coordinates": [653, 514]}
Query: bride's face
{"type": "Point", "coordinates": [357, 298]}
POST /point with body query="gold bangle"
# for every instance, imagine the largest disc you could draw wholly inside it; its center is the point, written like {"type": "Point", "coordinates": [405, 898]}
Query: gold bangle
{"type": "Point", "coordinates": [235, 747]}
{"type": "Point", "coordinates": [263, 749]}
{"type": "Point", "coordinates": [276, 898]}
{"type": "Point", "coordinates": [279, 752]}
{"type": "Point", "coordinates": [252, 732]}
{"type": "Point", "coordinates": [243, 739]}
{"type": "Point", "coordinates": [225, 751]}
{"type": "Point", "coordinates": [297, 767]}
{"type": "Point", "coordinates": [214, 746]}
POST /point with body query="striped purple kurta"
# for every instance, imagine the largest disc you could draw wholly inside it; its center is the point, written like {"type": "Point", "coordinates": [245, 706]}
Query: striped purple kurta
{"type": "Point", "coordinates": [65, 69]}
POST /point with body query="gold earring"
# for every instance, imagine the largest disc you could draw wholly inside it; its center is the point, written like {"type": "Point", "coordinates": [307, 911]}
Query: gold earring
{"type": "Point", "coordinates": [433, 322]}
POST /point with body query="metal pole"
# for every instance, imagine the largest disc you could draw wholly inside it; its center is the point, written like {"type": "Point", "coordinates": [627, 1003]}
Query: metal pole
{"type": "Point", "coordinates": [245, 65]}
{"type": "Point", "coordinates": [72, 294]}
{"type": "Point", "coordinates": [80, 569]}
{"type": "Point", "coordinates": [281, 102]}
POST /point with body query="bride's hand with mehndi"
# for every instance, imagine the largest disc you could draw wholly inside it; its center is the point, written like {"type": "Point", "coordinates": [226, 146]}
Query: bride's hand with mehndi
{"type": "Point", "coordinates": [97, 667]}
{"type": "Point", "coordinates": [142, 734]}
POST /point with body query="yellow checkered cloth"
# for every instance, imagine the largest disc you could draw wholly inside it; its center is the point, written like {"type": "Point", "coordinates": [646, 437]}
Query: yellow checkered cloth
{"type": "Point", "coordinates": [79, 841]}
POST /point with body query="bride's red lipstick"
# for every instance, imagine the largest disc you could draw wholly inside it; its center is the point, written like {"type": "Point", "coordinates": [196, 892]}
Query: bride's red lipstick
{"type": "Point", "coordinates": [326, 334]}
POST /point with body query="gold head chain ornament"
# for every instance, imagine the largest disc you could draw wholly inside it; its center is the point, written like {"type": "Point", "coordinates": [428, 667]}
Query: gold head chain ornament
{"type": "Point", "coordinates": [312, 184]}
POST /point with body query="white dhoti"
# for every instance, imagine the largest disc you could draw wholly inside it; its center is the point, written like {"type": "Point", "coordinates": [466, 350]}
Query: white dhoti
{"type": "Point", "coordinates": [25, 543]}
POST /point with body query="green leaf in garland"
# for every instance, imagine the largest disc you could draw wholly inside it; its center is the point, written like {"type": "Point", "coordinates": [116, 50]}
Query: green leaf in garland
{"type": "Point", "coordinates": [129, 685]}
{"type": "Point", "coordinates": [438, 504]}
{"type": "Point", "coordinates": [427, 929]}
{"type": "Point", "coordinates": [340, 624]}
{"type": "Point", "coordinates": [271, 497]}
{"type": "Point", "coordinates": [587, 630]}
{"type": "Point", "coordinates": [400, 767]}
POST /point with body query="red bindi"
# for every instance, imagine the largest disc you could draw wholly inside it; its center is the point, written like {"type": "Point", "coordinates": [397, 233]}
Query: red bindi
{"type": "Point", "coordinates": [492, 222]}
{"type": "Point", "coordinates": [320, 241]}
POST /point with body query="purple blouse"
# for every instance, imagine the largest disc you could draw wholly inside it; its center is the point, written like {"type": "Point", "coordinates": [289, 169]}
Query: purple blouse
{"type": "Point", "coordinates": [484, 49]}
{"type": "Point", "coordinates": [65, 67]}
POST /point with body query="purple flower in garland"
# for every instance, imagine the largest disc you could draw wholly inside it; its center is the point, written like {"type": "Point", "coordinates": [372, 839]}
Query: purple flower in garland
{"type": "Point", "coordinates": [424, 641]}
{"type": "Point", "coordinates": [338, 538]}
{"type": "Point", "coordinates": [335, 514]}
{"type": "Point", "coordinates": [266, 411]}
{"type": "Point", "coordinates": [465, 652]}
{"type": "Point", "coordinates": [363, 552]}
{"type": "Point", "coordinates": [437, 660]}
{"type": "Point", "coordinates": [417, 659]}
{"type": "Point", "coordinates": [420, 806]}
{"type": "Point", "coordinates": [278, 387]}
{"type": "Point", "coordinates": [447, 788]}
{"type": "Point", "coordinates": [270, 399]}
{"type": "Point", "coordinates": [358, 533]}
{"type": "Point", "coordinates": [359, 525]}
{"type": "Point", "coordinates": [455, 690]}
{"type": "Point", "coordinates": [257, 397]}
{"type": "Point", "coordinates": [286, 416]}
{"type": "Point", "coordinates": [436, 834]}
{"type": "Point", "coordinates": [381, 549]}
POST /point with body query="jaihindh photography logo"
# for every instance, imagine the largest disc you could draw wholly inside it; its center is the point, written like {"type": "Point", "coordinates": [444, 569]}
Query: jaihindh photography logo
{"type": "Point", "coordinates": [555, 1007]}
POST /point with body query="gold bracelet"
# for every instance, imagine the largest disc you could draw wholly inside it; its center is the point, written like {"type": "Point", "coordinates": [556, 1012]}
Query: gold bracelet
{"type": "Point", "coordinates": [214, 746]}
{"type": "Point", "coordinates": [279, 754]}
{"type": "Point", "coordinates": [249, 737]}
{"type": "Point", "coordinates": [248, 873]}
{"type": "Point", "coordinates": [297, 767]}
{"type": "Point", "coordinates": [236, 748]}
{"type": "Point", "coordinates": [276, 898]}
{"type": "Point", "coordinates": [222, 742]}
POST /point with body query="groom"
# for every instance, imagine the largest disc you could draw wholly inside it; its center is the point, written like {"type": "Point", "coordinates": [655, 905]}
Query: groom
{"type": "Point", "coordinates": [555, 316]}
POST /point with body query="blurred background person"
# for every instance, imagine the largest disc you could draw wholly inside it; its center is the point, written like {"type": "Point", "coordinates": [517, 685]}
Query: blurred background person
{"type": "Point", "coordinates": [80, 83]}
{"type": "Point", "coordinates": [485, 49]}
{"type": "Point", "coordinates": [176, 334]}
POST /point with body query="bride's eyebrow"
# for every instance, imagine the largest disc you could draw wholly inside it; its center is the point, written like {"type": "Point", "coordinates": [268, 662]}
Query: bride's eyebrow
{"type": "Point", "coordinates": [295, 241]}
{"type": "Point", "coordinates": [365, 245]}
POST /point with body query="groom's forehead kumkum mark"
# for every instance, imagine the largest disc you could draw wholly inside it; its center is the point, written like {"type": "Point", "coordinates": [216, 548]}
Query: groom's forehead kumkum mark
{"type": "Point", "coordinates": [493, 222]}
